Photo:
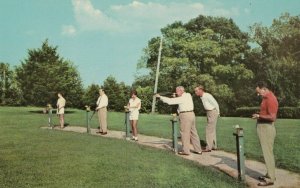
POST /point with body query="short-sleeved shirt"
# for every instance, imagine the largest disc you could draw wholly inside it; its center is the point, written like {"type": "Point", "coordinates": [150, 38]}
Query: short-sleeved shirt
{"type": "Point", "coordinates": [61, 102]}
{"type": "Point", "coordinates": [134, 107]}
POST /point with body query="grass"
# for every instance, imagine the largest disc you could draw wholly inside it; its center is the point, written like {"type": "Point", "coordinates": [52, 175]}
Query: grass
{"type": "Point", "coordinates": [34, 157]}
{"type": "Point", "coordinates": [286, 148]}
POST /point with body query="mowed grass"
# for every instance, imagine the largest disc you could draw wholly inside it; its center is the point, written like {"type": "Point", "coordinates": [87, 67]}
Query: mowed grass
{"type": "Point", "coordinates": [286, 148]}
{"type": "Point", "coordinates": [34, 157]}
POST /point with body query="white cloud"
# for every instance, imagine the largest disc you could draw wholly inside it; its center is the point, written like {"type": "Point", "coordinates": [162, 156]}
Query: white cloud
{"type": "Point", "coordinates": [89, 18]}
{"type": "Point", "coordinates": [68, 30]}
{"type": "Point", "coordinates": [150, 15]}
{"type": "Point", "coordinates": [139, 16]}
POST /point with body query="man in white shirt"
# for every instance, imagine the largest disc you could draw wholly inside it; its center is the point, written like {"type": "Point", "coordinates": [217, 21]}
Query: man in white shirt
{"type": "Point", "coordinates": [61, 103]}
{"type": "Point", "coordinates": [212, 112]}
{"type": "Point", "coordinates": [187, 118]}
{"type": "Point", "coordinates": [102, 103]}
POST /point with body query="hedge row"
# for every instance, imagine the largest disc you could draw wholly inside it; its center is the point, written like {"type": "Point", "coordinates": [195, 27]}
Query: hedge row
{"type": "Point", "coordinates": [283, 112]}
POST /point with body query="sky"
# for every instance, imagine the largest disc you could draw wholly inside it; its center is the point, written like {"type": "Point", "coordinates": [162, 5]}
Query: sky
{"type": "Point", "coordinates": [107, 37]}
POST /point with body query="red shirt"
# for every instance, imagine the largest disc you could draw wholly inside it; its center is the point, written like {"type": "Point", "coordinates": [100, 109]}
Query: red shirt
{"type": "Point", "coordinates": [268, 108]}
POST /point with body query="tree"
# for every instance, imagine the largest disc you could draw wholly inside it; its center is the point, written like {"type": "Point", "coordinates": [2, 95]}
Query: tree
{"type": "Point", "coordinates": [11, 93]}
{"type": "Point", "coordinates": [44, 73]}
{"type": "Point", "coordinates": [117, 93]}
{"type": "Point", "coordinates": [91, 95]}
{"type": "Point", "coordinates": [206, 50]}
{"type": "Point", "coordinates": [277, 57]}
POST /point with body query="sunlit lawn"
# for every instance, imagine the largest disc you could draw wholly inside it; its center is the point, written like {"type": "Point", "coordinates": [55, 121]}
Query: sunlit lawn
{"type": "Point", "coordinates": [34, 157]}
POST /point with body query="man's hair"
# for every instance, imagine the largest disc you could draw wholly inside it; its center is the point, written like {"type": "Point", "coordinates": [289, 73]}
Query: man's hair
{"type": "Point", "coordinates": [200, 87]}
{"type": "Point", "coordinates": [180, 87]}
{"type": "Point", "coordinates": [262, 84]}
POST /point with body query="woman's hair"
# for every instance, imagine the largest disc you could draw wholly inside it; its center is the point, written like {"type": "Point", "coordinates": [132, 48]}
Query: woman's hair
{"type": "Point", "coordinates": [133, 92]}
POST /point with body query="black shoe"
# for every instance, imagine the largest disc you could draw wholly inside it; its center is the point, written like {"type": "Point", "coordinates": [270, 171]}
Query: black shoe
{"type": "Point", "coordinates": [103, 133]}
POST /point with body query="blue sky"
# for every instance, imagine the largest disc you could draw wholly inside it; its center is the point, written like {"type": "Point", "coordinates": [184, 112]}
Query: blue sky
{"type": "Point", "coordinates": [107, 37]}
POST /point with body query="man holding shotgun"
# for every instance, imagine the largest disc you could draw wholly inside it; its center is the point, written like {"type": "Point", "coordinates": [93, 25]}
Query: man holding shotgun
{"type": "Point", "coordinates": [102, 103]}
{"type": "Point", "coordinates": [187, 118]}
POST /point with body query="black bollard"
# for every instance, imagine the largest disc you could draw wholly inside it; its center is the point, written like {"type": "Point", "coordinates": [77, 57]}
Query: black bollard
{"type": "Point", "coordinates": [174, 132]}
{"type": "Point", "coordinates": [239, 136]}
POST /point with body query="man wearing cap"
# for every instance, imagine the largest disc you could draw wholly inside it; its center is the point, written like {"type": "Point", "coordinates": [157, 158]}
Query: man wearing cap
{"type": "Point", "coordinates": [102, 103]}
{"type": "Point", "coordinates": [212, 112]}
{"type": "Point", "coordinates": [187, 118]}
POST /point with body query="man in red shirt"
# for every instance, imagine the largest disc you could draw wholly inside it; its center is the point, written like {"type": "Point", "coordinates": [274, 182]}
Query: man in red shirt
{"type": "Point", "coordinates": [266, 130]}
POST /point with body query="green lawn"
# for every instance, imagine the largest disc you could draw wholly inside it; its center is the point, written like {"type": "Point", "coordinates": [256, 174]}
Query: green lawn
{"type": "Point", "coordinates": [287, 147]}
{"type": "Point", "coordinates": [34, 157]}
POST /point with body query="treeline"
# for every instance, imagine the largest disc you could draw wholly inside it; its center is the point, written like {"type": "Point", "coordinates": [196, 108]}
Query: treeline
{"type": "Point", "coordinates": [211, 51]}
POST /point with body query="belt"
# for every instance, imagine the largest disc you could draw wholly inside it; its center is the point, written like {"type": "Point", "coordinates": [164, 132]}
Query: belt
{"type": "Point", "coordinates": [211, 110]}
{"type": "Point", "coordinates": [186, 111]}
{"type": "Point", "coordinates": [265, 122]}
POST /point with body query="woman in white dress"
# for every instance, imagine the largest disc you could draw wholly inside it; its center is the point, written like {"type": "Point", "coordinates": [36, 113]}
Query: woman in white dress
{"type": "Point", "coordinates": [134, 105]}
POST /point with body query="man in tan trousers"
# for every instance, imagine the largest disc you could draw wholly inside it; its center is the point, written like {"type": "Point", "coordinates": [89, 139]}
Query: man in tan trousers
{"type": "Point", "coordinates": [187, 119]}
{"type": "Point", "coordinates": [102, 103]}
{"type": "Point", "coordinates": [266, 130]}
{"type": "Point", "coordinates": [212, 112]}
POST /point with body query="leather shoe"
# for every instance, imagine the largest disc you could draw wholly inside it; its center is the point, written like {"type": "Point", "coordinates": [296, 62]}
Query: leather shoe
{"type": "Point", "coordinates": [262, 178]}
{"type": "Point", "coordinates": [103, 133]}
{"type": "Point", "coordinates": [182, 153]}
{"type": "Point", "coordinates": [198, 152]}
{"type": "Point", "coordinates": [264, 183]}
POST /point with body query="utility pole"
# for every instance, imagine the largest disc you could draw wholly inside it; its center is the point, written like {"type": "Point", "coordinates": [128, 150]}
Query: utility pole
{"type": "Point", "coordinates": [157, 72]}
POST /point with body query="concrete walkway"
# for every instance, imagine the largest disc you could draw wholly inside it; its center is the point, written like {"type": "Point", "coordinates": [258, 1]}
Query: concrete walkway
{"type": "Point", "coordinates": [224, 161]}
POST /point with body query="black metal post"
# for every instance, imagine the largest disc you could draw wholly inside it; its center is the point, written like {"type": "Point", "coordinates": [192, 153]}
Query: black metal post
{"type": "Point", "coordinates": [239, 136]}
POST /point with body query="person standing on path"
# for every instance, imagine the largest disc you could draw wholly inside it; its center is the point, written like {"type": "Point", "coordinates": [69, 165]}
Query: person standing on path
{"type": "Point", "coordinates": [61, 103]}
{"type": "Point", "coordinates": [187, 119]}
{"type": "Point", "coordinates": [102, 103]}
{"type": "Point", "coordinates": [212, 112]}
{"type": "Point", "coordinates": [266, 130]}
{"type": "Point", "coordinates": [134, 105]}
